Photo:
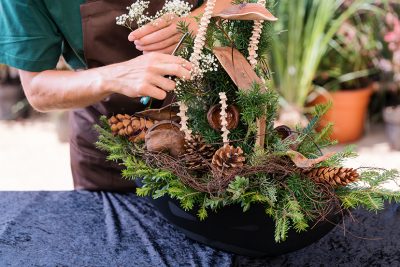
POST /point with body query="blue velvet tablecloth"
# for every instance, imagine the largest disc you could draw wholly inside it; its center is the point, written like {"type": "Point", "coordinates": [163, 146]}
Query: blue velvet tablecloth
{"type": "Point", "coordinates": [109, 229]}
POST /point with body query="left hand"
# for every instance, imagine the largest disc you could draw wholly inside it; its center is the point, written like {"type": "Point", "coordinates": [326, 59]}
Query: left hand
{"type": "Point", "coordinates": [161, 36]}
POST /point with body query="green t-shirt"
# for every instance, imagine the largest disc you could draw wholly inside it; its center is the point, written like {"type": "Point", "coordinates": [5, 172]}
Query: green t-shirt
{"type": "Point", "coordinates": [35, 33]}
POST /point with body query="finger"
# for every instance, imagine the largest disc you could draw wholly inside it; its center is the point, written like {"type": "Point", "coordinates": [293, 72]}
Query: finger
{"type": "Point", "coordinates": [157, 36]}
{"type": "Point", "coordinates": [154, 92]}
{"type": "Point", "coordinates": [181, 61]}
{"type": "Point", "coordinates": [174, 70]}
{"type": "Point", "coordinates": [148, 29]}
{"type": "Point", "coordinates": [171, 41]}
{"type": "Point", "coordinates": [171, 59]}
{"type": "Point", "coordinates": [167, 50]}
{"type": "Point", "coordinates": [163, 83]}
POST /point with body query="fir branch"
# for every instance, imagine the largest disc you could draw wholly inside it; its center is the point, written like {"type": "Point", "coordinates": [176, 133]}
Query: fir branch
{"type": "Point", "coordinates": [338, 159]}
{"type": "Point", "coordinates": [255, 104]}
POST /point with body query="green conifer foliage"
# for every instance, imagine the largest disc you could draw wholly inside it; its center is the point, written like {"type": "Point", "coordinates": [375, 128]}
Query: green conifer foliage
{"type": "Point", "coordinates": [291, 199]}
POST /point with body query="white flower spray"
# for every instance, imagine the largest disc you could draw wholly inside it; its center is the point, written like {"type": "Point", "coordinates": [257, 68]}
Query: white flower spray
{"type": "Point", "coordinates": [224, 117]}
{"type": "Point", "coordinates": [137, 13]}
{"type": "Point", "coordinates": [255, 39]}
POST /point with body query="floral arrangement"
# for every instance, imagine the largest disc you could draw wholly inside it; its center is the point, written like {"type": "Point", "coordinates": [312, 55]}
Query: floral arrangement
{"type": "Point", "coordinates": [218, 144]}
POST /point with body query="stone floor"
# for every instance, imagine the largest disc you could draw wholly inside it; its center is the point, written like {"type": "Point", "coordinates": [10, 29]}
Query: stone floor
{"type": "Point", "coordinates": [33, 158]}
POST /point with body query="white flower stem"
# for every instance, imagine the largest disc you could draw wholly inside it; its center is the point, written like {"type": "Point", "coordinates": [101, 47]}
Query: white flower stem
{"type": "Point", "coordinates": [224, 116]}
{"type": "Point", "coordinates": [200, 39]}
{"type": "Point", "coordinates": [183, 108]}
{"type": "Point", "coordinates": [255, 39]}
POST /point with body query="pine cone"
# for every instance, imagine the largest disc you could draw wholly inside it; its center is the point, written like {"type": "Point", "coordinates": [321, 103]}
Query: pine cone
{"type": "Point", "coordinates": [198, 153]}
{"type": "Point", "coordinates": [129, 126]}
{"type": "Point", "coordinates": [228, 158]}
{"type": "Point", "coordinates": [333, 176]}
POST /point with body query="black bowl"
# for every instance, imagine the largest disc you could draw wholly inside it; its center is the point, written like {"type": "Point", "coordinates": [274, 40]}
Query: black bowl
{"type": "Point", "coordinates": [250, 233]}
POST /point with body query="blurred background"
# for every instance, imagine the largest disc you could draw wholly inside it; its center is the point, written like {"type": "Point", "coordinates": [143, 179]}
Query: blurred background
{"type": "Point", "coordinates": [342, 51]}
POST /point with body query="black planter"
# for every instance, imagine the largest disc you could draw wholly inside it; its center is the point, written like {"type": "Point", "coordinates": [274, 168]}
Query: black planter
{"type": "Point", "coordinates": [231, 230]}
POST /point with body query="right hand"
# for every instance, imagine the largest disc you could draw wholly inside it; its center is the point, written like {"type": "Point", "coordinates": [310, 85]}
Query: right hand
{"type": "Point", "coordinates": [145, 75]}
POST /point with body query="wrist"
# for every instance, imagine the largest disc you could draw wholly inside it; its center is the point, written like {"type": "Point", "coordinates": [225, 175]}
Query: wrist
{"type": "Point", "coordinates": [100, 82]}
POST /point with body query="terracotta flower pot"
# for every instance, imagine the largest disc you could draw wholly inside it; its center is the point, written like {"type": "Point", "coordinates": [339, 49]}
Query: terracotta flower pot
{"type": "Point", "coordinates": [348, 113]}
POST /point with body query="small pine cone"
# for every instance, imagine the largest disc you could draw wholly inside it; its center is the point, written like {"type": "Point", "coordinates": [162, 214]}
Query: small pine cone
{"type": "Point", "coordinates": [198, 154]}
{"type": "Point", "coordinates": [129, 126]}
{"type": "Point", "coordinates": [333, 176]}
{"type": "Point", "coordinates": [228, 158]}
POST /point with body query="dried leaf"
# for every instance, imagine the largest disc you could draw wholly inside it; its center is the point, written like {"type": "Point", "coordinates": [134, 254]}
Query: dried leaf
{"type": "Point", "coordinates": [244, 76]}
{"type": "Point", "coordinates": [302, 162]}
{"type": "Point", "coordinates": [237, 67]}
{"type": "Point", "coordinates": [166, 113]}
{"type": "Point", "coordinates": [248, 11]}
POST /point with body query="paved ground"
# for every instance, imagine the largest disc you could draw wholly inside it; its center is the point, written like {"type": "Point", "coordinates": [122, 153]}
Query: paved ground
{"type": "Point", "coordinates": [33, 158]}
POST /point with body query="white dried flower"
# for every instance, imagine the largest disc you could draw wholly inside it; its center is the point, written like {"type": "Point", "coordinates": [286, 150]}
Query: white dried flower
{"type": "Point", "coordinates": [199, 42]}
{"type": "Point", "coordinates": [224, 117]}
{"type": "Point", "coordinates": [122, 20]}
{"type": "Point", "coordinates": [184, 120]}
{"type": "Point", "coordinates": [177, 8]}
{"type": "Point", "coordinates": [207, 63]}
{"type": "Point", "coordinates": [255, 39]}
{"type": "Point", "coordinates": [137, 13]}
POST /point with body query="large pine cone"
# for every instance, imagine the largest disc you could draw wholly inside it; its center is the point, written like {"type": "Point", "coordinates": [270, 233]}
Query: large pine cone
{"type": "Point", "coordinates": [228, 158]}
{"type": "Point", "coordinates": [333, 176]}
{"type": "Point", "coordinates": [129, 126]}
{"type": "Point", "coordinates": [198, 154]}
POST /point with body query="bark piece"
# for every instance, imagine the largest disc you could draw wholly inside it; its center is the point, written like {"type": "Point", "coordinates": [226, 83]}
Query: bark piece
{"type": "Point", "coordinates": [248, 11]}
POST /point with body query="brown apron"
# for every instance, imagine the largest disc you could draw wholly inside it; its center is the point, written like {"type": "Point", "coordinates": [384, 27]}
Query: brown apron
{"type": "Point", "coordinates": [104, 43]}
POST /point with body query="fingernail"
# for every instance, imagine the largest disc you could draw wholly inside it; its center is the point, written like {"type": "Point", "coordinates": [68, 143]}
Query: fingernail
{"type": "Point", "coordinates": [131, 37]}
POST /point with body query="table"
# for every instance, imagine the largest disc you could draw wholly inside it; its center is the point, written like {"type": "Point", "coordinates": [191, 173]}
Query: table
{"type": "Point", "coordinates": [80, 228]}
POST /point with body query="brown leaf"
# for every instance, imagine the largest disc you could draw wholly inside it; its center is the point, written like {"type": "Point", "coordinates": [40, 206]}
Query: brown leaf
{"type": "Point", "coordinates": [249, 11]}
{"type": "Point", "coordinates": [237, 67]}
{"type": "Point", "coordinates": [244, 76]}
{"type": "Point", "coordinates": [302, 162]}
{"type": "Point", "coordinates": [166, 113]}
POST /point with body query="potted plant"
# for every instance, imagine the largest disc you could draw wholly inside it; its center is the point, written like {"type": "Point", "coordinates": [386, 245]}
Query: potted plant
{"type": "Point", "coordinates": [214, 163]}
{"type": "Point", "coordinates": [304, 33]}
{"type": "Point", "coordinates": [389, 65]}
{"type": "Point", "coordinates": [345, 77]}
{"type": "Point", "coordinates": [12, 101]}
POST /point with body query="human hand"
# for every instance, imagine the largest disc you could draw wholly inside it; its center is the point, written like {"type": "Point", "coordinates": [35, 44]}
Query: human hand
{"type": "Point", "coordinates": [145, 75]}
{"type": "Point", "coordinates": [161, 36]}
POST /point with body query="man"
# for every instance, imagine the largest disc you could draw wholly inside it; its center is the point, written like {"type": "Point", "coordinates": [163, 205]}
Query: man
{"type": "Point", "coordinates": [114, 71]}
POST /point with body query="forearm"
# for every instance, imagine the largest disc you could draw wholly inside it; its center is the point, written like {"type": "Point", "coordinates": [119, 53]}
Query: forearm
{"type": "Point", "coordinates": [58, 90]}
{"type": "Point", "coordinates": [141, 76]}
